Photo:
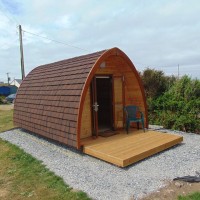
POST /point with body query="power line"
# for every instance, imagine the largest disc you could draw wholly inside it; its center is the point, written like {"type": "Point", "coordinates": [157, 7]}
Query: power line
{"type": "Point", "coordinates": [10, 19]}
{"type": "Point", "coordinates": [8, 44]}
{"type": "Point", "coordinates": [63, 43]}
{"type": "Point", "coordinates": [55, 41]}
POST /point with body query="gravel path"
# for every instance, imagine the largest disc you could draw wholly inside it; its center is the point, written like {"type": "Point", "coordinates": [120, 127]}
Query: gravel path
{"type": "Point", "coordinates": [101, 180]}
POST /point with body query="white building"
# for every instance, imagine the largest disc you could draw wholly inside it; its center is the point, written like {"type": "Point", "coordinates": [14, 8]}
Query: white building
{"type": "Point", "coordinates": [16, 82]}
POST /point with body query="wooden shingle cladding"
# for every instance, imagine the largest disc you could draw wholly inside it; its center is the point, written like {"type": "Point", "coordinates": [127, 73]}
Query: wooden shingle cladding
{"type": "Point", "coordinates": [48, 100]}
{"type": "Point", "coordinates": [54, 99]}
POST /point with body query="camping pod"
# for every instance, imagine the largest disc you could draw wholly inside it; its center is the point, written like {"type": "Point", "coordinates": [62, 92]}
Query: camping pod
{"type": "Point", "coordinates": [80, 97]}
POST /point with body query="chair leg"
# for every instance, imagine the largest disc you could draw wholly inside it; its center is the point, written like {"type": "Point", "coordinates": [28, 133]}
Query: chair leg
{"type": "Point", "coordinates": [143, 126]}
{"type": "Point", "coordinates": [127, 126]}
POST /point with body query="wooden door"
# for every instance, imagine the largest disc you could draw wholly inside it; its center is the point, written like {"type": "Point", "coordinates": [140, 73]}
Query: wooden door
{"type": "Point", "coordinates": [94, 108]}
{"type": "Point", "coordinates": [102, 104]}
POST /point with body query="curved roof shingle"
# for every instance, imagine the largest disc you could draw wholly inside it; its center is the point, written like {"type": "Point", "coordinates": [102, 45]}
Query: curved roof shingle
{"type": "Point", "coordinates": [48, 99]}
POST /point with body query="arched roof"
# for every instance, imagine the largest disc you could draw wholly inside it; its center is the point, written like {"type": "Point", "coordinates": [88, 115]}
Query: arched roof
{"type": "Point", "coordinates": [50, 99]}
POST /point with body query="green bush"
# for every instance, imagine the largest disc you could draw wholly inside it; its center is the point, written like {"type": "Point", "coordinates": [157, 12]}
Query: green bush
{"type": "Point", "coordinates": [2, 99]}
{"type": "Point", "coordinates": [178, 107]}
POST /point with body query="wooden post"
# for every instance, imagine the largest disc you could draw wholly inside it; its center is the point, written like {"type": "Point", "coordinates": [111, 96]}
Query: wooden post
{"type": "Point", "coordinates": [178, 71]}
{"type": "Point", "coordinates": [21, 52]}
{"type": "Point", "coordinates": [8, 78]}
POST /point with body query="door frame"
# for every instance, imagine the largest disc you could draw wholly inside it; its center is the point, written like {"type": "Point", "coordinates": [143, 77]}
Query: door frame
{"type": "Point", "coordinates": [93, 91]}
{"type": "Point", "coordinates": [94, 114]}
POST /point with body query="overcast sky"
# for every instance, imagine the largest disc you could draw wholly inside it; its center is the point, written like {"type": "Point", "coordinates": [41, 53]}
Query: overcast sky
{"type": "Point", "coordinates": [159, 34]}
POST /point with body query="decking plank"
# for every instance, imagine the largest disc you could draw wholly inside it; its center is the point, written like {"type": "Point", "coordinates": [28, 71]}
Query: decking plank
{"type": "Point", "coordinates": [150, 152]}
{"type": "Point", "coordinates": [145, 145]}
{"type": "Point", "coordinates": [124, 149]}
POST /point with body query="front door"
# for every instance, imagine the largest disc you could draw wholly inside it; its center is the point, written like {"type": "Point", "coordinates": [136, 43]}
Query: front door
{"type": "Point", "coordinates": [102, 104]}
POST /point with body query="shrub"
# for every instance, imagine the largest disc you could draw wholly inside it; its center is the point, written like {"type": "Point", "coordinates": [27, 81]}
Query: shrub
{"type": "Point", "coordinates": [2, 99]}
{"type": "Point", "coordinates": [178, 107]}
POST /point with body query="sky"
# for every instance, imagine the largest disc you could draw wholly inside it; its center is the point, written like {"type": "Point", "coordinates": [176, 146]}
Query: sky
{"type": "Point", "coordinates": [159, 34]}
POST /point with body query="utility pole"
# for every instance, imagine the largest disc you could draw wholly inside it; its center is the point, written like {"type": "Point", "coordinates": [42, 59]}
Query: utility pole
{"type": "Point", "coordinates": [178, 71]}
{"type": "Point", "coordinates": [8, 78]}
{"type": "Point", "coordinates": [21, 52]}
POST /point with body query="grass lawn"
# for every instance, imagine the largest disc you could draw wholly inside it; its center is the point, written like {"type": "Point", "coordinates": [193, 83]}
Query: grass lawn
{"type": "Point", "coordinates": [193, 196]}
{"type": "Point", "coordinates": [24, 177]}
{"type": "Point", "coordinates": [6, 121]}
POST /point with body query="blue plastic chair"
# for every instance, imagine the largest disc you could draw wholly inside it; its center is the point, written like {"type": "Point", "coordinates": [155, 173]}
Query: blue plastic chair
{"type": "Point", "coordinates": [131, 116]}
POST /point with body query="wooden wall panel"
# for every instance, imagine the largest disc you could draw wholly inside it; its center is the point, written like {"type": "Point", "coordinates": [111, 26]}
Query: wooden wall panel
{"type": "Point", "coordinates": [117, 67]}
{"type": "Point", "coordinates": [86, 123]}
{"type": "Point", "coordinates": [118, 101]}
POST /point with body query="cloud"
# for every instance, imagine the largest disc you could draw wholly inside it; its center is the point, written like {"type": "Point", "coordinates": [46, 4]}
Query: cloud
{"type": "Point", "coordinates": [154, 33]}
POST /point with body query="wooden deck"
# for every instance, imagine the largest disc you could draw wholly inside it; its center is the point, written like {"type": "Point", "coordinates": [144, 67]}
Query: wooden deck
{"type": "Point", "coordinates": [124, 149]}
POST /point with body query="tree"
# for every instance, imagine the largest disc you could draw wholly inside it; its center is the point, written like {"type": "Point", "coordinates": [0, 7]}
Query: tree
{"type": "Point", "coordinates": [155, 82]}
{"type": "Point", "coordinates": [179, 107]}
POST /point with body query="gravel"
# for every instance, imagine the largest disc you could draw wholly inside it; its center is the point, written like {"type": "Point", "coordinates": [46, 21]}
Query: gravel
{"type": "Point", "coordinates": [101, 180]}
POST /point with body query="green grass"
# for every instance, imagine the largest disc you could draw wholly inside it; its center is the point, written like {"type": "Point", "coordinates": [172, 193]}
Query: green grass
{"type": "Point", "coordinates": [6, 120]}
{"type": "Point", "coordinates": [193, 196]}
{"type": "Point", "coordinates": [22, 177]}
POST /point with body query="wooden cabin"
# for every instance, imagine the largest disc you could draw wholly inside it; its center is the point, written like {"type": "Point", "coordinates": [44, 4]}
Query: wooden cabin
{"type": "Point", "coordinates": [80, 98]}
{"type": "Point", "coordinates": [59, 100]}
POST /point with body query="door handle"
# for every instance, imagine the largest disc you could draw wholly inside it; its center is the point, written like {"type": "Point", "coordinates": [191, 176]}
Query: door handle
{"type": "Point", "coordinates": [95, 106]}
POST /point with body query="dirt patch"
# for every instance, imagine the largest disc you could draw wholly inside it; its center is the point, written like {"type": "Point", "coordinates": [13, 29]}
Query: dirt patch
{"type": "Point", "coordinates": [3, 193]}
{"type": "Point", "coordinates": [173, 190]}
{"type": "Point", "coordinates": [7, 107]}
